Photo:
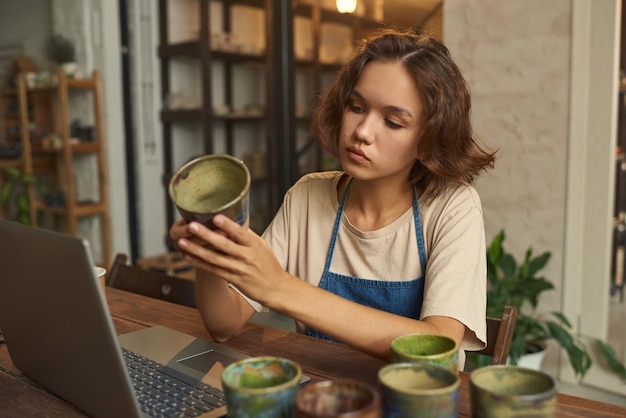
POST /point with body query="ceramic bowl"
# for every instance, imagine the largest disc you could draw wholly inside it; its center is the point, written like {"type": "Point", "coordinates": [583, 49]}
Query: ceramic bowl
{"type": "Point", "coordinates": [261, 387]}
{"type": "Point", "coordinates": [210, 185]}
{"type": "Point", "coordinates": [338, 399]}
{"type": "Point", "coordinates": [512, 391]}
{"type": "Point", "coordinates": [430, 348]}
{"type": "Point", "coordinates": [418, 390]}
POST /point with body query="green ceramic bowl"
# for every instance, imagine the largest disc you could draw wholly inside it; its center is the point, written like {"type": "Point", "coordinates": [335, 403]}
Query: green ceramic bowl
{"type": "Point", "coordinates": [430, 348]}
{"type": "Point", "coordinates": [512, 391]}
{"type": "Point", "coordinates": [261, 387]}
{"type": "Point", "coordinates": [210, 185]}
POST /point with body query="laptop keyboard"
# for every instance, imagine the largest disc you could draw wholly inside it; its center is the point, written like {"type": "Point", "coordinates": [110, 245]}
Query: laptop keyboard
{"type": "Point", "coordinates": [164, 392]}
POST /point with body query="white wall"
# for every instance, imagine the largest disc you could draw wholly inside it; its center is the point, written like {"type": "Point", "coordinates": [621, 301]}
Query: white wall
{"type": "Point", "coordinates": [145, 73]}
{"type": "Point", "coordinates": [25, 23]}
{"type": "Point", "coordinates": [544, 95]}
{"type": "Point", "coordinates": [517, 66]}
{"type": "Point", "coordinates": [105, 35]}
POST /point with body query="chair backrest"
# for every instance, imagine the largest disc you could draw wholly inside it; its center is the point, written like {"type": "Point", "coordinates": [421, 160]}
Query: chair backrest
{"type": "Point", "coordinates": [499, 335]}
{"type": "Point", "coordinates": [150, 283]}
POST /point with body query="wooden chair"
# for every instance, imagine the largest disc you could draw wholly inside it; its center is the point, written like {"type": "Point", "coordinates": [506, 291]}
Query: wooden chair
{"type": "Point", "coordinates": [499, 335]}
{"type": "Point", "coordinates": [150, 283]}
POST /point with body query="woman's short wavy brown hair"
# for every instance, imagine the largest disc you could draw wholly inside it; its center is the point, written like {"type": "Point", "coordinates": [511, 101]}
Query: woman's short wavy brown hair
{"type": "Point", "coordinates": [447, 150]}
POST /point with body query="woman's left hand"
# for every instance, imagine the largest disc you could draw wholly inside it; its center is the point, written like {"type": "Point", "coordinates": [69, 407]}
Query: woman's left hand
{"type": "Point", "coordinates": [238, 255]}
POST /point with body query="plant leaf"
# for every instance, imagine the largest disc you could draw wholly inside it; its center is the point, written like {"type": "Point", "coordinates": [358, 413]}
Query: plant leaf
{"type": "Point", "coordinates": [563, 319]}
{"type": "Point", "coordinates": [22, 202]}
{"type": "Point", "coordinates": [12, 172]}
{"type": "Point", "coordinates": [539, 262]}
{"type": "Point", "coordinates": [533, 288]}
{"type": "Point", "coordinates": [508, 265]}
{"type": "Point", "coordinates": [23, 218]}
{"type": "Point", "coordinates": [579, 357]}
{"type": "Point", "coordinates": [5, 193]}
{"type": "Point", "coordinates": [29, 178]}
{"type": "Point", "coordinates": [611, 360]}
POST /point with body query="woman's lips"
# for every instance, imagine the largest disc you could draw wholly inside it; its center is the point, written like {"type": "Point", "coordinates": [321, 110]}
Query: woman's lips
{"type": "Point", "coordinates": [357, 155]}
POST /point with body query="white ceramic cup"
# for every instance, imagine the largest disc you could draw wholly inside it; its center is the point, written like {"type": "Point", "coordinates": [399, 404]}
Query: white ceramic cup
{"type": "Point", "coordinates": [100, 273]}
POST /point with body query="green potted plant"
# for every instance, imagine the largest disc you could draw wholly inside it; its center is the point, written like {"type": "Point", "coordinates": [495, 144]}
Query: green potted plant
{"type": "Point", "coordinates": [60, 50]}
{"type": "Point", "coordinates": [519, 284]}
{"type": "Point", "coordinates": [14, 196]}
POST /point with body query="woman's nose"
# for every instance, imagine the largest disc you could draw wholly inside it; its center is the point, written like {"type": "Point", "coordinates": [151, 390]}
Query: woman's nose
{"type": "Point", "coordinates": [365, 129]}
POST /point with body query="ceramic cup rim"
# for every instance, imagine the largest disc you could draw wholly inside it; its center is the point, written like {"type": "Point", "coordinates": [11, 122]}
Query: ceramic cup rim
{"type": "Point", "coordinates": [420, 392]}
{"type": "Point", "coordinates": [395, 341]}
{"type": "Point", "coordinates": [257, 391]}
{"type": "Point", "coordinates": [235, 162]}
{"type": "Point", "coordinates": [373, 401]}
{"type": "Point", "coordinates": [546, 394]}
{"type": "Point", "coordinates": [99, 271]}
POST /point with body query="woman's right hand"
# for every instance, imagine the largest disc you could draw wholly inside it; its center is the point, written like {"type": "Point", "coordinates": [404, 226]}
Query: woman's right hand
{"type": "Point", "coordinates": [180, 229]}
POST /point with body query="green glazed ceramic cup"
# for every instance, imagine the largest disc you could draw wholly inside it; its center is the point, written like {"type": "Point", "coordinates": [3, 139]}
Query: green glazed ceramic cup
{"type": "Point", "coordinates": [210, 185]}
{"type": "Point", "coordinates": [512, 391]}
{"type": "Point", "coordinates": [338, 399]}
{"type": "Point", "coordinates": [261, 387]}
{"type": "Point", "coordinates": [418, 390]}
{"type": "Point", "coordinates": [435, 349]}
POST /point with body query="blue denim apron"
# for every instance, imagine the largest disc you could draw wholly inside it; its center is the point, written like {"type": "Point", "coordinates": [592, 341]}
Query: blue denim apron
{"type": "Point", "coordinates": [402, 298]}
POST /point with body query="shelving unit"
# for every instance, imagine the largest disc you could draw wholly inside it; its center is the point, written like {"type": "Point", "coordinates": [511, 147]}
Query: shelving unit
{"type": "Point", "coordinates": [228, 114]}
{"type": "Point", "coordinates": [15, 137]}
{"type": "Point", "coordinates": [618, 254]}
{"type": "Point", "coordinates": [73, 169]}
{"type": "Point", "coordinates": [324, 40]}
{"type": "Point", "coordinates": [229, 104]}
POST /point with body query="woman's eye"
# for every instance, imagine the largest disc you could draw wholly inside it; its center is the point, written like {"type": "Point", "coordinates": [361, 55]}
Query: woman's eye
{"type": "Point", "coordinates": [392, 125]}
{"type": "Point", "coordinates": [355, 108]}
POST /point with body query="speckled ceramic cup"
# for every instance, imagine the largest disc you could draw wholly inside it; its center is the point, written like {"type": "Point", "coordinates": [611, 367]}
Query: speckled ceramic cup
{"type": "Point", "coordinates": [418, 390]}
{"type": "Point", "coordinates": [261, 387]}
{"type": "Point", "coordinates": [210, 185]}
{"type": "Point", "coordinates": [338, 399]}
{"type": "Point", "coordinates": [512, 391]}
{"type": "Point", "coordinates": [435, 349]}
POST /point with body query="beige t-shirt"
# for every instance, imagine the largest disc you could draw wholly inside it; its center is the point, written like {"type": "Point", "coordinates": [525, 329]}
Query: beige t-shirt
{"type": "Point", "coordinates": [454, 239]}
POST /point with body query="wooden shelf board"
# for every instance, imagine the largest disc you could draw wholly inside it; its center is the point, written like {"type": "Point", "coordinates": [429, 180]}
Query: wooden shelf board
{"type": "Point", "coordinates": [81, 83]}
{"type": "Point", "coordinates": [349, 19]}
{"type": "Point", "coordinates": [240, 118]}
{"type": "Point", "coordinates": [194, 48]}
{"type": "Point", "coordinates": [85, 209]}
{"type": "Point", "coordinates": [85, 147]}
{"type": "Point", "coordinates": [182, 115]}
{"type": "Point", "coordinates": [191, 48]}
{"type": "Point", "coordinates": [82, 209]}
{"type": "Point", "coordinates": [259, 4]}
{"type": "Point", "coordinates": [11, 162]}
{"type": "Point", "coordinates": [237, 57]}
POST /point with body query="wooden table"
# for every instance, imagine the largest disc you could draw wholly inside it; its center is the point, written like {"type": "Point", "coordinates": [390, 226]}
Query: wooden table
{"type": "Point", "coordinates": [20, 396]}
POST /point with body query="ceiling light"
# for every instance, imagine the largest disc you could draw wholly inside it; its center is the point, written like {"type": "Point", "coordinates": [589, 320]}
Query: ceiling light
{"type": "Point", "coordinates": [346, 6]}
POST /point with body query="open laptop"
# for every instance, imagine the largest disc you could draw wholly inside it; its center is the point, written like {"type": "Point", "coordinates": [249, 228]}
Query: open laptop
{"type": "Point", "coordinates": [59, 332]}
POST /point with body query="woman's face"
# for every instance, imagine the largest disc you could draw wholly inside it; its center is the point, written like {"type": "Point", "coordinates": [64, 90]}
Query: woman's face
{"type": "Point", "coordinates": [381, 124]}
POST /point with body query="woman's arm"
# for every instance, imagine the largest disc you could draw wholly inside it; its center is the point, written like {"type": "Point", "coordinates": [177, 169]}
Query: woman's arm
{"type": "Point", "coordinates": [239, 256]}
{"type": "Point", "coordinates": [223, 310]}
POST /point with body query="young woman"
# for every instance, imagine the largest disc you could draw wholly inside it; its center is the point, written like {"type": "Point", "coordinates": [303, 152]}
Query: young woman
{"type": "Point", "coordinates": [394, 243]}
